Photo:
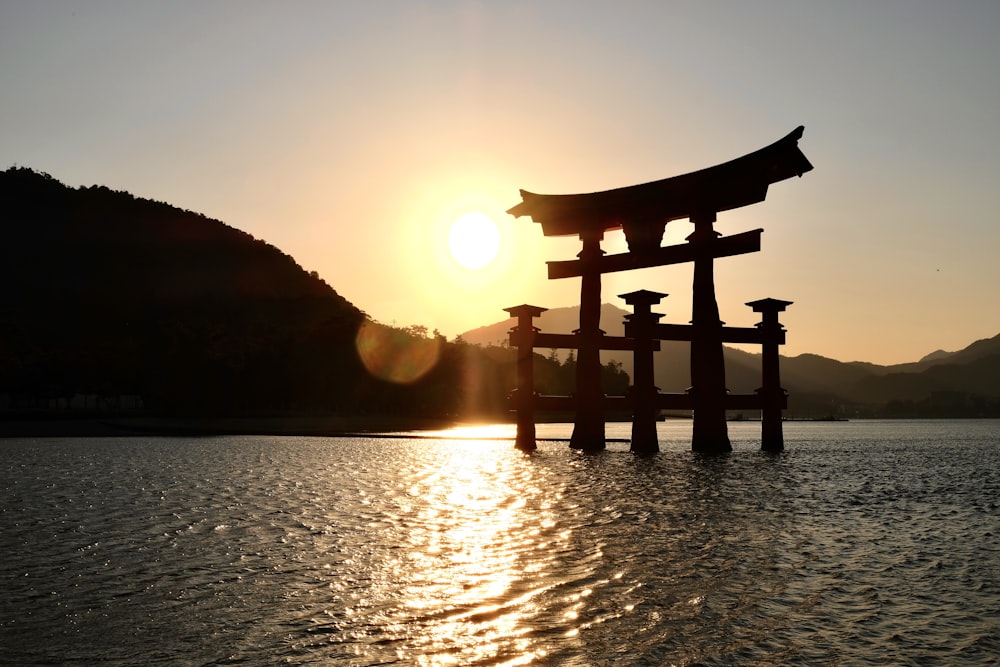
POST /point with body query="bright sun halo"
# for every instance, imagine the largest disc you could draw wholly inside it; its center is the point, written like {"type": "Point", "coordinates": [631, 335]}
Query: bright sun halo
{"type": "Point", "coordinates": [474, 240]}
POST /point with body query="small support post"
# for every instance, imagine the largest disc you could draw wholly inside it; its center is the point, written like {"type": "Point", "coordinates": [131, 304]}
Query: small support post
{"type": "Point", "coordinates": [522, 336]}
{"type": "Point", "coordinates": [708, 369]}
{"type": "Point", "coordinates": [588, 428]}
{"type": "Point", "coordinates": [640, 327]}
{"type": "Point", "coordinates": [771, 393]}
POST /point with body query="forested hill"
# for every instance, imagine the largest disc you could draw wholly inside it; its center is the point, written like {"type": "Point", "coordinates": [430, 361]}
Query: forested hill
{"type": "Point", "coordinates": [93, 238]}
{"type": "Point", "coordinates": [112, 302]}
{"type": "Point", "coordinates": [106, 293]}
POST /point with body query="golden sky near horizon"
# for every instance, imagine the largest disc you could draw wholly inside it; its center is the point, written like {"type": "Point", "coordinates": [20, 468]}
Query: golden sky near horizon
{"type": "Point", "coordinates": [352, 135]}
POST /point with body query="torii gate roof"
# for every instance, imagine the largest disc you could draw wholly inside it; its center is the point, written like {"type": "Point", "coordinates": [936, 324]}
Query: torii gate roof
{"type": "Point", "coordinates": [726, 186]}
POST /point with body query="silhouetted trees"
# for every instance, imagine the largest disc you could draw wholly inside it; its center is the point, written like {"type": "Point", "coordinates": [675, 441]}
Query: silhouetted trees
{"type": "Point", "coordinates": [953, 404]}
{"type": "Point", "coordinates": [109, 295]}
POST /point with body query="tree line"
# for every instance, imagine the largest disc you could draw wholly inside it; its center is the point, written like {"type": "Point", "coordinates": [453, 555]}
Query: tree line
{"type": "Point", "coordinates": [111, 295]}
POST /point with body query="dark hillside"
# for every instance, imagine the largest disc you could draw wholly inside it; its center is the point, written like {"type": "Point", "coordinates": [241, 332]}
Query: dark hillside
{"type": "Point", "coordinates": [978, 378]}
{"type": "Point", "coordinates": [109, 294]}
{"type": "Point", "coordinates": [121, 304]}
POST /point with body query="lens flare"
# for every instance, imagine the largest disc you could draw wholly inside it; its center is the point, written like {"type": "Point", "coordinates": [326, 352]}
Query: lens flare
{"type": "Point", "coordinates": [395, 355]}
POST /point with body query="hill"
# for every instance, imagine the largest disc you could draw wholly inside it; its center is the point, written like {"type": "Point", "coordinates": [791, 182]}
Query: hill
{"type": "Point", "coordinates": [117, 304]}
{"type": "Point", "coordinates": [112, 295]}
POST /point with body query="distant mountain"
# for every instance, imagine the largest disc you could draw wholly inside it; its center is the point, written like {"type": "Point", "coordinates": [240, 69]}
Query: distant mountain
{"type": "Point", "coordinates": [981, 348]}
{"type": "Point", "coordinates": [817, 385]}
{"type": "Point", "coordinates": [936, 355]}
{"type": "Point", "coordinates": [554, 320]}
{"type": "Point", "coordinates": [961, 373]}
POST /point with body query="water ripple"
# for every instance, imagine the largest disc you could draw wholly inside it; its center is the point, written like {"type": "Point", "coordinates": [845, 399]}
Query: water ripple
{"type": "Point", "coordinates": [851, 548]}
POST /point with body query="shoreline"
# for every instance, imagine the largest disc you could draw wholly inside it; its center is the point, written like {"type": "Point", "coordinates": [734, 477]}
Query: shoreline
{"type": "Point", "coordinates": [110, 426]}
{"type": "Point", "coordinates": [341, 426]}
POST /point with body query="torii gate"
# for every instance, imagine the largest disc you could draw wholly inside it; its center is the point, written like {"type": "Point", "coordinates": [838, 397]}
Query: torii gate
{"type": "Point", "coordinates": [643, 211]}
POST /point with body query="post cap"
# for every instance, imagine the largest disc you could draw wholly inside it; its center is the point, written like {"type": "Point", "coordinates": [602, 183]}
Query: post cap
{"type": "Point", "coordinates": [525, 310]}
{"type": "Point", "coordinates": [642, 297]}
{"type": "Point", "coordinates": [769, 305]}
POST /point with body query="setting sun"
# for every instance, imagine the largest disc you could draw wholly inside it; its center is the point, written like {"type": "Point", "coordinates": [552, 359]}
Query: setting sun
{"type": "Point", "coordinates": [474, 240]}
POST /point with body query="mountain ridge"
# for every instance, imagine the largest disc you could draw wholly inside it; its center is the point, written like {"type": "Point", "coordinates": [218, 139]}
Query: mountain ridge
{"type": "Point", "coordinates": [812, 380]}
{"type": "Point", "coordinates": [111, 295]}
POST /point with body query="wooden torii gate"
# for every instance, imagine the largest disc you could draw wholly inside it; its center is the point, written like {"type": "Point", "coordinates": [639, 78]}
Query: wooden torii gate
{"type": "Point", "coordinates": [642, 212]}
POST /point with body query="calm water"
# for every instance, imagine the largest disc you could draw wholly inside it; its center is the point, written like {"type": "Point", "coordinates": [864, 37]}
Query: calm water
{"type": "Point", "coordinates": [864, 543]}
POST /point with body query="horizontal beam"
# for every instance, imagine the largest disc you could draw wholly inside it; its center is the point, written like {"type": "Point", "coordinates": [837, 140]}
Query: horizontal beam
{"type": "Point", "coordinates": [750, 401]}
{"type": "Point", "coordinates": [724, 246]}
{"type": "Point", "coordinates": [732, 402]}
{"type": "Point", "coordinates": [572, 342]}
{"type": "Point", "coordinates": [568, 403]}
{"type": "Point", "coordinates": [663, 401]}
{"type": "Point", "coordinates": [685, 332]}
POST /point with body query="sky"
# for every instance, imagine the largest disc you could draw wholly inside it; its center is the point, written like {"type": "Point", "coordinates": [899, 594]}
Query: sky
{"type": "Point", "coordinates": [351, 134]}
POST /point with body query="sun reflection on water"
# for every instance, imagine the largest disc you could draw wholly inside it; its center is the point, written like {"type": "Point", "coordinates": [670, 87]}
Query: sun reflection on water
{"type": "Point", "coordinates": [475, 432]}
{"type": "Point", "coordinates": [475, 556]}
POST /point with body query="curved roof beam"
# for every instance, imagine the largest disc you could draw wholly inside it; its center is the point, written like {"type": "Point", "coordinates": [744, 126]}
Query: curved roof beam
{"type": "Point", "coordinates": [726, 186]}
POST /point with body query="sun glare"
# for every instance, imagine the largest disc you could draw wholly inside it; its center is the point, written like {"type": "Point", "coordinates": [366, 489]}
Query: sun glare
{"type": "Point", "coordinates": [474, 240]}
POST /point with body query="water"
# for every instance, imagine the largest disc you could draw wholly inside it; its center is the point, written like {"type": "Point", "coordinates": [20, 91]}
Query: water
{"type": "Point", "coordinates": [864, 543]}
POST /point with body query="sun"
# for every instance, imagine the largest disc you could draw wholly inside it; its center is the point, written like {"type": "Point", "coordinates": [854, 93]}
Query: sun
{"type": "Point", "coordinates": [474, 240]}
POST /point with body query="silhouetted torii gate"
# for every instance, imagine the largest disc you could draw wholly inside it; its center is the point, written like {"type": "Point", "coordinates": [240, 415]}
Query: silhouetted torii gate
{"type": "Point", "coordinates": [642, 212]}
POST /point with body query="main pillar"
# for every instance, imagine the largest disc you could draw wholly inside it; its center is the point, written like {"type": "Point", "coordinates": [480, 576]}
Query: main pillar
{"type": "Point", "coordinates": [708, 369]}
{"type": "Point", "coordinates": [588, 429]}
{"type": "Point", "coordinates": [523, 337]}
{"type": "Point", "coordinates": [771, 393]}
{"type": "Point", "coordinates": [639, 327]}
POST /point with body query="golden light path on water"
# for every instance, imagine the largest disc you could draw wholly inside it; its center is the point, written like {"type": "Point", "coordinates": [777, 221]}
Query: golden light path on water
{"type": "Point", "coordinates": [468, 551]}
{"type": "Point", "coordinates": [489, 566]}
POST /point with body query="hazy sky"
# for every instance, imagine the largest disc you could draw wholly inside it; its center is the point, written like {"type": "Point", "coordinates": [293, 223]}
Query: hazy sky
{"type": "Point", "coordinates": [351, 134]}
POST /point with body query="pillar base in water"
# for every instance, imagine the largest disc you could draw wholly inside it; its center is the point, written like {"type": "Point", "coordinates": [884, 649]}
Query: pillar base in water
{"type": "Point", "coordinates": [644, 439]}
{"type": "Point", "coordinates": [708, 440]}
{"type": "Point", "coordinates": [712, 447]}
{"type": "Point", "coordinates": [588, 434]}
{"type": "Point", "coordinates": [525, 444]}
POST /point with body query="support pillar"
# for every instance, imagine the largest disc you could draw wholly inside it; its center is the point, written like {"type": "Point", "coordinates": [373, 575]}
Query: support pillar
{"type": "Point", "coordinates": [639, 326]}
{"type": "Point", "coordinates": [708, 369]}
{"type": "Point", "coordinates": [770, 391]}
{"type": "Point", "coordinates": [588, 428]}
{"type": "Point", "coordinates": [522, 336]}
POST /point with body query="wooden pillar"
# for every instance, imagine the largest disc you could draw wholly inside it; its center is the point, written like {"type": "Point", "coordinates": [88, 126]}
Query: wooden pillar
{"type": "Point", "coordinates": [588, 428]}
{"type": "Point", "coordinates": [639, 326]}
{"type": "Point", "coordinates": [708, 369]}
{"type": "Point", "coordinates": [523, 337]}
{"type": "Point", "coordinates": [770, 391]}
